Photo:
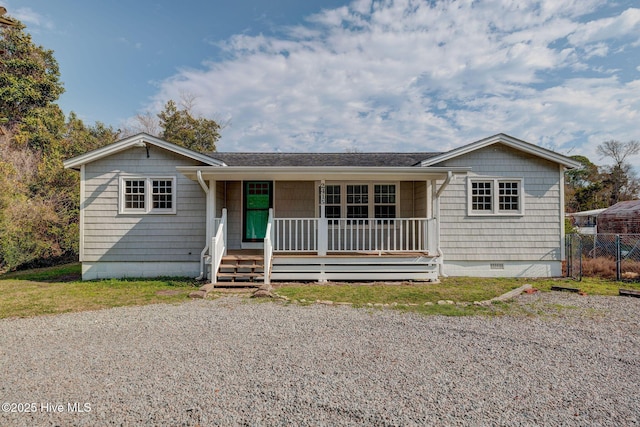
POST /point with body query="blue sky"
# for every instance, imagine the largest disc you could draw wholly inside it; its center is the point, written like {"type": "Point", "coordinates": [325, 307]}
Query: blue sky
{"type": "Point", "coordinates": [403, 75]}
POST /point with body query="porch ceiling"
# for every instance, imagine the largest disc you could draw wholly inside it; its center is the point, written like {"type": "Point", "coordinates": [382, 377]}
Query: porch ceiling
{"type": "Point", "coordinates": [317, 173]}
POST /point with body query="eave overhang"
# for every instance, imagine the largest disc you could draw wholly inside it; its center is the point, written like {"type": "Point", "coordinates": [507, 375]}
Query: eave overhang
{"type": "Point", "coordinates": [317, 173]}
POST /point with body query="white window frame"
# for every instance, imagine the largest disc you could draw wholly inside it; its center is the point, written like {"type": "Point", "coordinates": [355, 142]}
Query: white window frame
{"type": "Point", "coordinates": [370, 194]}
{"type": "Point", "coordinates": [495, 196]}
{"type": "Point", "coordinates": [148, 195]}
{"type": "Point", "coordinates": [396, 195]}
{"type": "Point", "coordinates": [333, 204]}
{"type": "Point", "coordinates": [357, 195]}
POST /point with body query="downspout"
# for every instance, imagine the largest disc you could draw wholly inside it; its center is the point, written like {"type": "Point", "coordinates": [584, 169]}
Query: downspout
{"type": "Point", "coordinates": [206, 247]}
{"type": "Point", "coordinates": [444, 185]}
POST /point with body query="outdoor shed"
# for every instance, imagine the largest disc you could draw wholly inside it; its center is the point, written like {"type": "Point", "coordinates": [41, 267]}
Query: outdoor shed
{"type": "Point", "coordinates": [621, 218]}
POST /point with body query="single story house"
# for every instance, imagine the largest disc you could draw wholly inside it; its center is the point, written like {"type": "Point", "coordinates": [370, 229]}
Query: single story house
{"type": "Point", "coordinates": [491, 208]}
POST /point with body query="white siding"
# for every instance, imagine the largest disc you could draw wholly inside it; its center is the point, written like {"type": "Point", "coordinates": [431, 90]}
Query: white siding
{"type": "Point", "coordinates": [113, 237]}
{"type": "Point", "coordinates": [535, 236]}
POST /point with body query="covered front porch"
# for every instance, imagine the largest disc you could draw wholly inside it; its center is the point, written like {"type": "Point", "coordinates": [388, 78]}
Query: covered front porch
{"type": "Point", "coordinates": [337, 249]}
{"type": "Point", "coordinates": [323, 223]}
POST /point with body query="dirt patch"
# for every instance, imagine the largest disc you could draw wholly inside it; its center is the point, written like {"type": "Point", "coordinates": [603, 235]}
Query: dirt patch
{"type": "Point", "coordinates": [72, 277]}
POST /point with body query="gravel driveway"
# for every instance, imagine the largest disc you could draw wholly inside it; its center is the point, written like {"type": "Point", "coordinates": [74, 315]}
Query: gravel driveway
{"type": "Point", "coordinates": [237, 362]}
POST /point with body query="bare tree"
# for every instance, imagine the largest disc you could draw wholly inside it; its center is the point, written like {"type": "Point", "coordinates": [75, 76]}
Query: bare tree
{"type": "Point", "coordinates": [148, 123]}
{"type": "Point", "coordinates": [188, 103]}
{"type": "Point", "coordinates": [621, 176]}
{"type": "Point", "coordinates": [618, 151]}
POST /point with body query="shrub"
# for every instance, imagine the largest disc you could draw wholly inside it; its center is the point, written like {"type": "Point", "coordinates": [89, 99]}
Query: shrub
{"type": "Point", "coordinates": [32, 229]}
{"type": "Point", "coordinates": [606, 267]}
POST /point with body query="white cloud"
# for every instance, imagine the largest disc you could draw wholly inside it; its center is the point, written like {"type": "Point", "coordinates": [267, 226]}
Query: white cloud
{"type": "Point", "coordinates": [418, 75]}
{"type": "Point", "coordinates": [29, 17]}
{"type": "Point", "coordinates": [625, 24]}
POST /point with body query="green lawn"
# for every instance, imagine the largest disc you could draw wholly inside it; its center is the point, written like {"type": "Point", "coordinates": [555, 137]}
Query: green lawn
{"type": "Point", "coordinates": [60, 290]}
{"type": "Point", "coordinates": [449, 289]}
{"type": "Point", "coordinates": [457, 289]}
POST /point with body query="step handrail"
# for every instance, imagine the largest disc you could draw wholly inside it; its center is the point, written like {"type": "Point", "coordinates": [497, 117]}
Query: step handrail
{"type": "Point", "coordinates": [218, 246]}
{"type": "Point", "coordinates": [268, 248]}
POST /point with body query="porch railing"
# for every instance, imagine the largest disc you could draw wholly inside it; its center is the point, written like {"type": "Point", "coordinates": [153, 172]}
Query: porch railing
{"type": "Point", "coordinates": [218, 245]}
{"type": "Point", "coordinates": [295, 234]}
{"type": "Point", "coordinates": [355, 235]}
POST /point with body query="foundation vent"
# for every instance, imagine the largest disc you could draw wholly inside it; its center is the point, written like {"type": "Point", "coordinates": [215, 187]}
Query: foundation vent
{"type": "Point", "coordinates": [497, 266]}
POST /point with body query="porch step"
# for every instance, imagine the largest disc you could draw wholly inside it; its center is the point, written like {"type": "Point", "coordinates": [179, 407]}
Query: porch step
{"type": "Point", "coordinates": [240, 270]}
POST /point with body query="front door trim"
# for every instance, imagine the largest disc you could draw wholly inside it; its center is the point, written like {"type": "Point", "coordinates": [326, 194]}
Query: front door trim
{"type": "Point", "coordinates": [260, 211]}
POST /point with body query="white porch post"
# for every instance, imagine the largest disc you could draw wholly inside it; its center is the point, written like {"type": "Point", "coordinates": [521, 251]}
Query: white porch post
{"type": "Point", "coordinates": [429, 238]}
{"type": "Point", "coordinates": [211, 209]}
{"type": "Point", "coordinates": [436, 214]}
{"type": "Point", "coordinates": [429, 186]}
{"type": "Point", "coordinates": [211, 215]}
{"type": "Point", "coordinates": [209, 202]}
{"type": "Point", "coordinates": [211, 206]}
{"type": "Point", "coordinates": [323, 225]}
{"type": "Point", "coordinates": [436, 239]}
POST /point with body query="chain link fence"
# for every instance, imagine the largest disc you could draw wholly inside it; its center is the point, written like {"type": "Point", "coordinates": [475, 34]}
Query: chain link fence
{"type": "Point", "coordinates": [611, 256]}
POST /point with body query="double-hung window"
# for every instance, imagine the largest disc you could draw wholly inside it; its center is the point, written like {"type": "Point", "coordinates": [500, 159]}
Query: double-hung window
{"type": "Point", "coordinates": [495, 196]}
{"type": "Point", "coordinates": [134, 195]}
{"type": "Point", "coordinates": [384, 200]}
{"type": "Point", "coordinates": [147, 195]}
{"type": "Point", "coordinates": [332, 205]}
{"type": "Point", "coordinates": [509, 196]}
{"type": "Point", "coordinates": [360, 201]}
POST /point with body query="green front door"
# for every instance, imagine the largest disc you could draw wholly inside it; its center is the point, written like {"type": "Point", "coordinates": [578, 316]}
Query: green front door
{"type": "Point", "coordinates": [257, 201]}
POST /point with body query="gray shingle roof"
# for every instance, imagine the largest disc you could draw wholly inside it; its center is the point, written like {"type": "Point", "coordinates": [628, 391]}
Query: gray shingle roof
{"type": "Point", "coordinates": [322, 159]}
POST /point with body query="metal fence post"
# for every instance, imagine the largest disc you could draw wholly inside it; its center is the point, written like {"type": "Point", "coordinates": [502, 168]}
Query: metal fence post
{"type": "Point", "coordinates": [569, 253]}
{"type": "Point", "coordinates": [618, 258]}
{"type": "Point", "coordinates": [579, 257]}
